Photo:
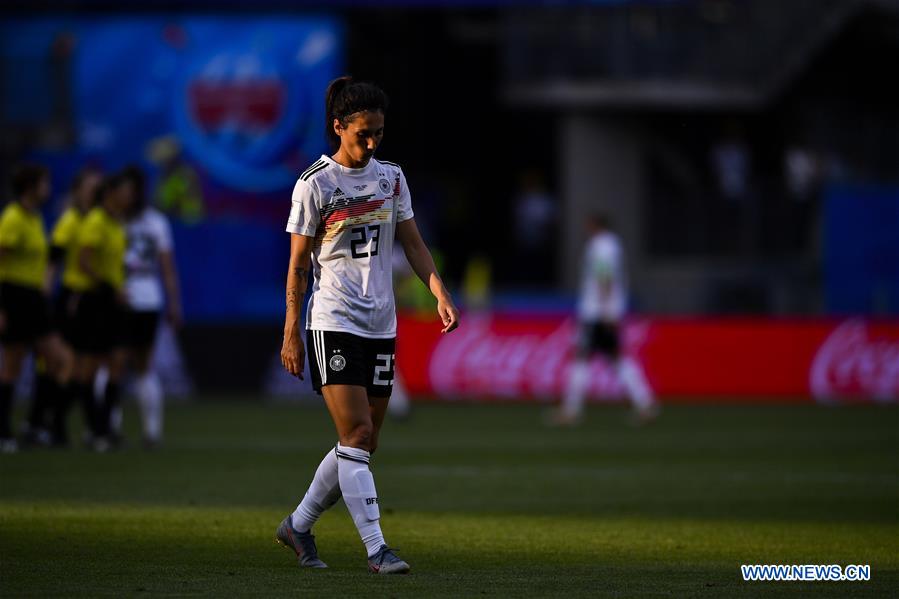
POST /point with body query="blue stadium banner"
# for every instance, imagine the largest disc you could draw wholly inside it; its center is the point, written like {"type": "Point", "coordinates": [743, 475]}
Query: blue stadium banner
{"type": "Point", "coordinates": [223, 111]}
{"type": "Point", "coordinates": [861, 249]}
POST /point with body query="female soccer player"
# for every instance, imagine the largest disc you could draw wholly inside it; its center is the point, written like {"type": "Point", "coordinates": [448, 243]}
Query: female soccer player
{"type": "Point", "coordinates": [101, 259]}
{"type": "Point", "coordinates": [151, 282]}
{"type": "Point", "coordinates": [24, 305]}
{"type": "Point", "coordinates": [601, 308]}
{"type": "Point", "coordinates": [346, 210]}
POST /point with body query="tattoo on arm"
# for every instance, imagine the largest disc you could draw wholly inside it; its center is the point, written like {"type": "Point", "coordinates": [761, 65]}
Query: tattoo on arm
{"type": "Point", "coordinates": [296, 286]}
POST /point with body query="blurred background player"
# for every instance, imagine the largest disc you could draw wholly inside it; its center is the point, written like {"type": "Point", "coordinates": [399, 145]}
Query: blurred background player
{"type": "Point", "coordinates": [101, 257]}
{"type": "Point", "coordinates": [64, 257]}
{"type": "Point", "coordinates": [24, 304]}
{"type": "Point", "coordinates": [601, 306]}
{"type": "Point", "coordinates": [151, 284]}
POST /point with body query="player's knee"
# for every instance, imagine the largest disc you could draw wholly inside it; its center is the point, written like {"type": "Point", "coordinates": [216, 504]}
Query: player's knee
{"type": "Point", "coordinates": [141, 361]}
{"type": "Point", "coordinates": [360, 436]}
{"type": "Point", "coordinates": [11, 365]}
{"type": "Point", "coordinates": [63, 363]}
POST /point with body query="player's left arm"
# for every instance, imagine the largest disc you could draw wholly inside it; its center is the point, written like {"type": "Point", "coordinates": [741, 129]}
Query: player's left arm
{"type": "Point", "coordinates": [60, 240]}
{"type": "Point", "coordinates": [419, 257]}
{"type": "Point", "coordinates": [172, 288]}
{"type": "Point", "coordinates": [169, 270]}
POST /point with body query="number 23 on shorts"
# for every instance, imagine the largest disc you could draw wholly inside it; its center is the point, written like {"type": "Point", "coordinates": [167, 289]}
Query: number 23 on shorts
{"type": "Point", "coordinates": [384, 369]}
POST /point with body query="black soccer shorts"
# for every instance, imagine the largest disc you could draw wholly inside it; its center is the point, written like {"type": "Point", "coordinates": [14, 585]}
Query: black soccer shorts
{"type": "Point", "coordinates": [65, 306]}
{"type": "Point", "coordinates": [27, 314]}
{"type": "Point", "coordinates": [347, 359]}
{"type": "Point", "coordinates": [598, 338]}
{"type": "Point", "coordinates": [99, 321]}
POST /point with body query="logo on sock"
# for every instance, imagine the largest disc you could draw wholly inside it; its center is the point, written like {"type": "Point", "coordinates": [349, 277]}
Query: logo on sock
{"type": "Point", "coordinates": [337, 363]}
{"type": "Point", "coordinates": [371, 501]}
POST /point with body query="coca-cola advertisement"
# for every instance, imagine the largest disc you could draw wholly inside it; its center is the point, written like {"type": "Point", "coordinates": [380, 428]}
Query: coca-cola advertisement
{"type": "Point", "coordinates": [519, 357]}
{"type": "Point", "coordinates": [857, 360]}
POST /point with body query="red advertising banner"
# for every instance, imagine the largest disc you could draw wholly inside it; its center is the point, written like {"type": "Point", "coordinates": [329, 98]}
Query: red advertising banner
{"type": "Point", "coordinates": [528, 357]}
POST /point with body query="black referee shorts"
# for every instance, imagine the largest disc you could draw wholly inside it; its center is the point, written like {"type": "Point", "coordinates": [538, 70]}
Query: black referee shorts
{"type": "Point", "coordinates": [598, 338]}
{"type": "Point", "coordinates": [99, 321]}
{"type": "Point", "coordinates": [65, 307]}
{"type": "Point", "coordinates": [347, 359]}
{"type": "Point", "coordinates": [26, 312]}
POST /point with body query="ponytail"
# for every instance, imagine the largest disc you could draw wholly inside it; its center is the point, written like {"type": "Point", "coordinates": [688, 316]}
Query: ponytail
{"type": "Point", "coordinates": [346, 97]}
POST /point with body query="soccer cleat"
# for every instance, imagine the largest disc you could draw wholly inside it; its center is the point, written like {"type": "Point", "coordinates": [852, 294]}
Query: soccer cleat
{"type": "Point", "coordinates": [645, 415]}
{"type": "Point", "coordinates": [385, 561]}
{"type": "Point", "coordinates": [149, 444]}
{"type": "Point", "coordinates": [8, 445]}
{"type": "Point", "coordinates": [562, 419]}
{"type": "Point", "coordinates": [302, 543]}
{"type": "Point", "coordinates": [36, 437]}
{"type": "Point", "coordinates": [99, 445]}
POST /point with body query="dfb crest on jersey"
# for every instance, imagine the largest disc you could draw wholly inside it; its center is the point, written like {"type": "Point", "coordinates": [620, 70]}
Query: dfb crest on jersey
{"type": "Point", "coordinates": [337, 363]}
{"type": "Point", "coordinates": [384, 184]}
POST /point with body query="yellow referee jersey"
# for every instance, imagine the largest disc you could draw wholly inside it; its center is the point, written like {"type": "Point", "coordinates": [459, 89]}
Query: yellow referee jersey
{"type": "Point", "coordinates": [107, 238]}
{"type": "Point", "coordinates": [24, 243]}
{"type": "Point", "coordinates": [65, 235]}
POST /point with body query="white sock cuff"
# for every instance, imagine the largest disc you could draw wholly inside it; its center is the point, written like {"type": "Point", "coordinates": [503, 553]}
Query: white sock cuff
{"type": "Point", "coordinates": [353, 454]}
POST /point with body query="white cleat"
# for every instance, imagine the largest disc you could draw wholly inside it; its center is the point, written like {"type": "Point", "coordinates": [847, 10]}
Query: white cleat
{"type": "Point", "coordinates": [385, 561]}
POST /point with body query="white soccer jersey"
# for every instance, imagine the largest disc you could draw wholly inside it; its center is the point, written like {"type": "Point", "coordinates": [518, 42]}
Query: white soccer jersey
{"type": "Point", "coordinates": [352, 214]}
{"type": "Point", "coordinates": [603, 264]}
{"type": "Point", "coordinates": [149, 234]}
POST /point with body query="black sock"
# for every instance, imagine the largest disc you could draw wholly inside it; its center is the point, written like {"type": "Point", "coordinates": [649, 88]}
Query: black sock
{"type": "Point", "coordinates": [6, 390]}
{"type": "Point", "coordinates": [83, 393]}
{"type": "Point", "coordinates": [60, 424]}
{"type": "Point", "coordinates": [44, 396]}
{"type": "Point", "coordinates": [110, 403]}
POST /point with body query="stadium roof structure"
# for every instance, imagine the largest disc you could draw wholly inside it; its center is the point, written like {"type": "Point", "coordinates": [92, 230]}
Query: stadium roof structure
{"type": "Point", "coordinates": [695, 55]}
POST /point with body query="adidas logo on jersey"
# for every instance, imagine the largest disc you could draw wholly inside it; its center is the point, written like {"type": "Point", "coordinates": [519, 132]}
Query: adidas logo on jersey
{"type": "Point", "coordinates": [337, 193]}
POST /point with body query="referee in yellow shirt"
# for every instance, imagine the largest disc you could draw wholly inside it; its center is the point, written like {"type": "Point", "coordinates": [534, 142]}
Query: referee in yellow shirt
{"type": "Point", "coordinates": [24, 307]}
{"type": "Point", "coordinates": [99, 319]}
{"type": "Point", "coordinates": [64, 257]}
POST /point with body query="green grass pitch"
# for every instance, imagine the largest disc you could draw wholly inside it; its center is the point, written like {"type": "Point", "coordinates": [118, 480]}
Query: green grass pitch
{"type": "Point", "coordinates": [482, 500]}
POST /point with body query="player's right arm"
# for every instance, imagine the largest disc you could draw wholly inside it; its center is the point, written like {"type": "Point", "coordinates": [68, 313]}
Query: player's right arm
{"type": "Point", "coordinates": [87, 260]}
{"type": "Point", "coordinates": [60, 240]}
{"type": "Point", "coordinates": [302, 226]}
{"type": "Point", "coordinates": [293, 353]}
{"type": "Point", "coordinates": [10, 233]}
{"type": "Point", "coordinates": [3, 251]}
{"type": "Point", "coordinates": [91, 236]}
